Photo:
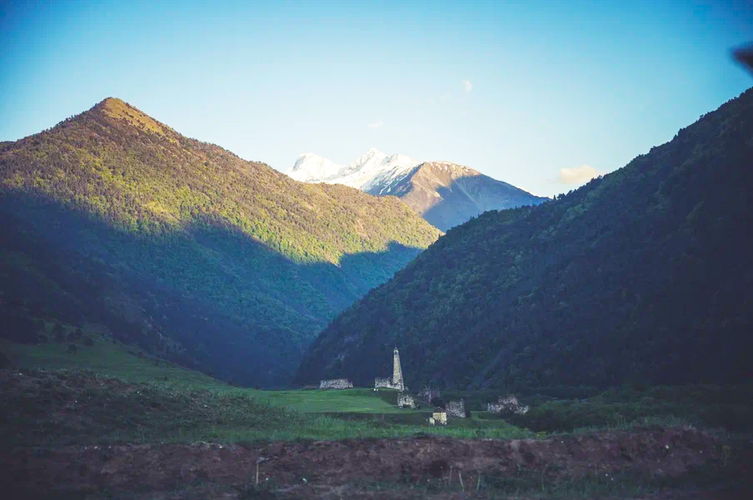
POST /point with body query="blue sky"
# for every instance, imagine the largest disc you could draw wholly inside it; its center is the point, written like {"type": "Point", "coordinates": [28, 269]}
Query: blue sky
{"type": "Point", "coordinates": [551, 86]}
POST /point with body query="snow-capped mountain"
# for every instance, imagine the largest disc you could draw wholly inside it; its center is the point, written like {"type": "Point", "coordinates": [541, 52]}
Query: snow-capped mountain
{"type": "Point", "coordinates": [374, 170]}
{"type": "Point", "coordinates": [443, 193]}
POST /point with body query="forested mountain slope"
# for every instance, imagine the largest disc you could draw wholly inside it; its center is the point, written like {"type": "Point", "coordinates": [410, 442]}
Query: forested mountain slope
{"type": "Point", "coordinates": [640, 276]}
{"type": "Point", "coordinates": [180, 246]}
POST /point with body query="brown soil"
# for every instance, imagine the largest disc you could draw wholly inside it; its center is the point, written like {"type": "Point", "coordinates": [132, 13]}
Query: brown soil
{"type": "Point", "coordinates": [335, 469]}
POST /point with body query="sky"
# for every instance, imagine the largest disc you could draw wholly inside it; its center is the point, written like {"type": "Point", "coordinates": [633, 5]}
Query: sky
{"type": "Point", "coordinates": [540, 94]}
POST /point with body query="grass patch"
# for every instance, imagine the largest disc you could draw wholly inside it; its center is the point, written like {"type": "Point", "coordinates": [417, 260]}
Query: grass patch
{"type": "Point", "coordinates": [728, 407]}
{"type": "Point", "coordinates": [107, 357]}
{"type": "Point", "coordinates": [335, 401]}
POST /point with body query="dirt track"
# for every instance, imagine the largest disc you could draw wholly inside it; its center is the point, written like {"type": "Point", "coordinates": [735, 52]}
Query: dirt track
{"type": "Point", "coordinates": [304, 468]}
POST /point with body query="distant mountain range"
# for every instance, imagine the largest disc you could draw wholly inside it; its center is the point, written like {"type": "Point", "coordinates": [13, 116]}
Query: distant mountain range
{"type": "Point", "coordinates": [114, 219]}
{"type": "Point", "coordinates": [443, 193]}
{"type": "Point", "coordinates": [640, 277]}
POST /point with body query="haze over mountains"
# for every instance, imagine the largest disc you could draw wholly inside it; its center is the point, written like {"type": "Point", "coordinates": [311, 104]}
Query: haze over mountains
{"type": "Point", "coordinates": [443, 193]}
{"type": "Point", "coordinates": [114, 219]}
{"type": "Point", "coordinates": [637, 277]}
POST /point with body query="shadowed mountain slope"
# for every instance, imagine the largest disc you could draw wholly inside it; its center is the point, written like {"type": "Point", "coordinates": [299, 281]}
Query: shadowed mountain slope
{"type": "Point", "coordinates": [640, 276]}
{"type": "Point", "coordinates": [184, 248]}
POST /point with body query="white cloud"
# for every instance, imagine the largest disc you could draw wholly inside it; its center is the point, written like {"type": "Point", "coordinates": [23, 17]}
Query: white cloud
{"type": "Point", "coordinates": [467, 85]}
{"type": "Point", "coordinates": [577, 175]}
{"type": "Point", "coordinates": [376, 124]}
{"type": "Point", "coordinates": [445, 96]}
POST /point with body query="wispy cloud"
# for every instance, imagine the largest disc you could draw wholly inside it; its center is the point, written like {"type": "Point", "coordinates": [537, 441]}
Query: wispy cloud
{"type": "Point", "coordinates": [577, 175]}
{"type": "Point", "coordinates": [445, 96]}
{"type": "Point", "coordinates": [378, 123]}
{"type": "Point", "coordinates": [467, 85]}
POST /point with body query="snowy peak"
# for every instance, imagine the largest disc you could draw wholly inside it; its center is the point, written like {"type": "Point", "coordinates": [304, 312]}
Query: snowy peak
{"type": "Point", "coordinates": [367, 173]}
{"type": "Point", "coordinates": [313, 168]}
{"type": "Point", "coordinates": [370, 157]}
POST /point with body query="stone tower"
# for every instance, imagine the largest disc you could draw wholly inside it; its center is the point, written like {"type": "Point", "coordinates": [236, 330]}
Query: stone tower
{"type": "Point", "coordinates": [397, 371]}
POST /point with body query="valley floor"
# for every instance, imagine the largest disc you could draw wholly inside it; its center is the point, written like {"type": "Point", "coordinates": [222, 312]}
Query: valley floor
{"type": "Point", "coordinates": [136, 427]}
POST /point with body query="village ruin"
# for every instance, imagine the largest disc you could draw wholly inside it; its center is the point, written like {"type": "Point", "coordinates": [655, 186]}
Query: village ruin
{"type": "Point", "coordinates": [456, 409]}
{"type": "Point", "coordinates": [405, 400]}
{"type": "Point", "coordinates": [337, 383]}
{"type": "Point", "coordinates": [507, 404]}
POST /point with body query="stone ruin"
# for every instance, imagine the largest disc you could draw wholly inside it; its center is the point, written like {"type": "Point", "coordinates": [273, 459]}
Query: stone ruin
{"type": "Point", "coordinates": [383, 383]}
{"type": "Point", "coordinates": [428, 394]}
{"type": "Point", "coordinates": [337, 383]}
{"type": "Point", "coordinates": [405, 400]}
{"type": "Point", "coordinates": [396, 381]}
{"type": "Point", "coordinates": [438, 417]}
{"type": "Point", "coordinates": [456, 409]}
{"type": "Point", "coordinates": [507, 404]}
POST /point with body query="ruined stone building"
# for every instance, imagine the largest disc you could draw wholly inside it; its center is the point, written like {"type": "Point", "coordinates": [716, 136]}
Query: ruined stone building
{"type": "Point", "coordinates": [405, 400]}
{"type": "Point", "coordinates": [507, 404]}
{"type": "Point", "coordinates": [394, 382]}
{"type": "Point", "coordinates": [337, 383]}
{"type": "Point", "coordinates": [456, 409]}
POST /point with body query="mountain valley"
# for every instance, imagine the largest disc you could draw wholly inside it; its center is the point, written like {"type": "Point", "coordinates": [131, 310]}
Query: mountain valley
{"type": "Point", "coordinates": [635, 278]}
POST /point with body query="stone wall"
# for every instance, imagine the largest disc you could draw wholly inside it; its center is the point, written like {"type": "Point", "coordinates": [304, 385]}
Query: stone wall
{"type": "Point", "coordinates": [386, 383]}
{"type": "Point", "coordinates": [456, 409]}
{"type": "Point", "coordinates": [507, 404]}
{"type": "Point", "coordinates": [337, 383]}
{"type": "Point", "coordinates": [405, 400]}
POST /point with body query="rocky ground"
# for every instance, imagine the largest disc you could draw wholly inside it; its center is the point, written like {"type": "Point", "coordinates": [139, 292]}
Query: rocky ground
{"type": "Point", "coordinates": [650, 460]}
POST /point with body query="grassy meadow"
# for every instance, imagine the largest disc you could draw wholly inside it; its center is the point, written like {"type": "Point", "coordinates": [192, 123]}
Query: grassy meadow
{"type": "Point", "coordinates": [107, 392]}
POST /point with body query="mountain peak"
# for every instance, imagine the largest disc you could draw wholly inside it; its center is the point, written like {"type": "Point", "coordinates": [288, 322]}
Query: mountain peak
{"type": "Point", "coordinates": [121, 110]}
{"type": "Point", "coordinates": [111, 102]}
{"type": "Point", "coordinates": [310, 167]}
{"type": "Point", "coordinates": [368, 156]}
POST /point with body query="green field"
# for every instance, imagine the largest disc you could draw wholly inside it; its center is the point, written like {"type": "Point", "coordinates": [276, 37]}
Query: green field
{"type": "Point", "coordinates": [337, 401]}
{"type": "Point", "coordinates": [157, 401]}
{"type": "Point", "coordinates": [160, 401]}
{"type": "Point", "coordinates": [105, 356]}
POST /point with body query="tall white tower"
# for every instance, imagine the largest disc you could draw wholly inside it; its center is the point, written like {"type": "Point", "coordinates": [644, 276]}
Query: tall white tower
{"type": "Point", "coordinates": [397, 371]}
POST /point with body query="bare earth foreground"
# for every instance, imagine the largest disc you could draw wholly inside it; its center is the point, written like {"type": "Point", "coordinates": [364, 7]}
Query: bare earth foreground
{"type": "Point", "coordinates": [366, 468]}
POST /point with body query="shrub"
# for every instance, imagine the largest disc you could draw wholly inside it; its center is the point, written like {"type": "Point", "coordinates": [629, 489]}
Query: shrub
{"type": "Point", "coordinates": [72, 348]}
{"type": "Point", "coordinates": [88, 341]}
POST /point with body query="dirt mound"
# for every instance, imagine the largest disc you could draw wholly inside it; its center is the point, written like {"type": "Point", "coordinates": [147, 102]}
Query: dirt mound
{"type": "Point", "coordinates": [301, 467]}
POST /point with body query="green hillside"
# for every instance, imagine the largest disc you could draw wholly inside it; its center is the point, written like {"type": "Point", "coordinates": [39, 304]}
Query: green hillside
{"type": "Point", "coordinates": [181, 247]}
{"type": "Point", "coordinates": [641, 277]}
